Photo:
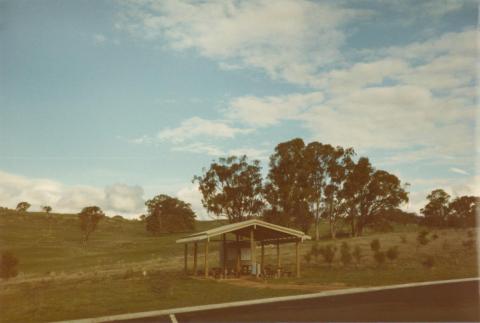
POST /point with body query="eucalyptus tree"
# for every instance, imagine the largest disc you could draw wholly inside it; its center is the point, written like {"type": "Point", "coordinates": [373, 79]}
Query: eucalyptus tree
{"type": "Point", "coordinates": [168, 214]}
{"type": "Point", "coordinates": [232, 188]}
{"type": "Point", "coordinates": [89, 218]}
{"type": "Point", "coordinates": [436, 211]}
{"type": "Point", "coordinates": [287, 188]}
{"type": "Point", "coordinates": [370, 192]}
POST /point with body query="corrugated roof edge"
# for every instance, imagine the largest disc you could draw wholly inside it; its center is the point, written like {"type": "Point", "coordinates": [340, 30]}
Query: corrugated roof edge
{"type": "Point", "coordinates": [240, 225]}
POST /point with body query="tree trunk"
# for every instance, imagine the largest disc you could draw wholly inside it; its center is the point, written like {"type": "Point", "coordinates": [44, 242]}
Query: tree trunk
{"type": "Point", "coordinates": [333, 232]}
{"type": "Point", "coordinates": [353, 224]}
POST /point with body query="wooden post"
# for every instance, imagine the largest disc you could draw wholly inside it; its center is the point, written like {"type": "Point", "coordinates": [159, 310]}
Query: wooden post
{"type": "Point", "coordinates": [262, 259]}
{"type": "Point", "coordinates": [252, 250]}
{"type": "Point", "coordinates": [195, 248]}
{"type": "Point", "coordinates": [239, 251]}
{"type": "Point", "coordinates": [224, 259]}
{"type": "Point", "coordinates": [297, 250]}
{"type": "Point", "coordinates": [186, 258]}
{"type": "Point", "coordinates": [206, 258]}
{"type": "Point", "coordinates": [278, 254]}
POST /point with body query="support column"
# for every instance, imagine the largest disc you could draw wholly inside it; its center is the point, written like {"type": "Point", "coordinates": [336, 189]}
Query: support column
{"type": "Point", "coordinates": [224, 259]}
{"type": "Point", "coordinates": [185, 254]}
{"type": "Point", "coordinates": [252, 250]}
{"type": "Point", "coordinates": [239, 251]}
{"type": "Point", "coordinates": [279, 273]}
{"type": "Point", "coordinates": [206, 258]}
{"type": "Point", "coordinates": [195, 248]}
{"type": "Point", "coordinates": [262, 258]}
{"type": "Point", "coordinates": [297, 251]}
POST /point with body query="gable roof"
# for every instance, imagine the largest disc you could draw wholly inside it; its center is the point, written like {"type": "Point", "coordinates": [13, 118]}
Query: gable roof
{"type": "Point", "coordinates": [240, 227]}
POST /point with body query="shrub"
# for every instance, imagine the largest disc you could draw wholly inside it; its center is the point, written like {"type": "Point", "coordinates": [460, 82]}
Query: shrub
{"type": "Point", "coordinates": [392, 253]}
{"type": "Point", "coordinates": [428, 262]}
{"type": "Point", "coordinates": [469, 244]}
{"type": "Point", "coordinates": [8, 265]}
{"type": "Point", "coordinates": [357, 253]}
{"type": "Point", "coordinates": [403, 238]}
{"type": "Point", "coordinates": [434, 236]}
{"type": "Point", "coordinates": [375, 245]}
{"type": "Point", "coordinates": [422, 237]}
{"type": "Point", "coordinates": [308, 257]}
{"type": "Point", "coordinates": [345, 255]}
{"type": "Point", "coordinates": [328, 253]}
{"type": "Point", "coordinates": [379, 257]}
{"type": "Point", "coordinates": [315, 251]}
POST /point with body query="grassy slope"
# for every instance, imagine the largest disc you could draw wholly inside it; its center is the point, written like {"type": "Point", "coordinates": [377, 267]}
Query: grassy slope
{"type": "Point", "coordinates": [60, 280]}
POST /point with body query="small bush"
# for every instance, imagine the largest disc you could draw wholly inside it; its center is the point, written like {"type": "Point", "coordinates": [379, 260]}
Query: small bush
{"type": "Point", "coordinates": [469, 244]}
{"type": "Point", "coordinates": [345, 255]}
{"type": "Point", "coordinates": [428, 262]}
{"type": "Point", "coordinates": [357, 253]}
{"type": "Point", "coordinates": [8, 265]}
{"type": "Point", "coordinates": [445, 245]}
{"type": "Point", "coordinates": [403, 238]}
{"type": "Point", "coordinates": [129, 273]}
{"type": "Point", "coordinates": [392, 253]}
{"type": "Point", "coordinates": [375, 245]}
{"type": "Point", "coordinates": [328, 253]}
{"type": "Point", "coordinates": [422, 238]}
{"type": "Point", "coordinates": [308, 257]}
{"type": "Point", "coordinates": [379, 257]}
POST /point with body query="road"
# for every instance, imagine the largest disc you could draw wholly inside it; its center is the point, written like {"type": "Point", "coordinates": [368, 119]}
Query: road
{"type": "Point", "coordinates": [457, 302]}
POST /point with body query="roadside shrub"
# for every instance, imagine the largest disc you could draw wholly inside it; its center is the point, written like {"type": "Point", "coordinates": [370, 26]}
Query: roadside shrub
{"type": "Point", "coordinates": [8, 265]}
{"type": "Point", "coordinates": [403, 238]}
{"type": "Point", "coordinates": [445, 245]}
{"type": "Point", "coordinates": [375, 245]}
{"type": "Point", "coordinates": [422, 238]}
{"type": "Point", "coordinates": [308, 257]}
{"type": "Point", "coordinates": [428, 262]}
{"type": "Point", "coordinates": [357, 254]}
{"type": "Point", "coordinates": [129, 273]}
{"type": "Point", "coordinates": [469, 244]}
{"type": "Point", "coordinates": [345, 255]}
{"type": "Point", "coordinates": [328, 253]}
{"type": "Point", "coordinates": [392, 253]}
{"type": "Point", "coordinates": [379, 257]}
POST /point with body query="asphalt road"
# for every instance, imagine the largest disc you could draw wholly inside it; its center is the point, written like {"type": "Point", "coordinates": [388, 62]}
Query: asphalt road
{"type": "Point", "coordinates": [450, 302]}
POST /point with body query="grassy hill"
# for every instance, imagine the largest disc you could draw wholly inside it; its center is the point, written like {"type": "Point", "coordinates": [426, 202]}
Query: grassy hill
{"type": "Point", "coordinates": [124, 269]}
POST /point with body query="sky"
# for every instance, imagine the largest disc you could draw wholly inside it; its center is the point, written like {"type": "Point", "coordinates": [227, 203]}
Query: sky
{"type": "Point", "coordinates": [110, 103]}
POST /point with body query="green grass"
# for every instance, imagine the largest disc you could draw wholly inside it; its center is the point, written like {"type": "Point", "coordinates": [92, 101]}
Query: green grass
{"type": "Point", "coordinates": [59, 279]}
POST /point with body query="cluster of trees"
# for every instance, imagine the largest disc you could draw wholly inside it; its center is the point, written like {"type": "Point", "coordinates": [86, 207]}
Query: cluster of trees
{"type": "Point", "coordinates": [305, 183]}
{"type": "Point", "coordinates": [168, 214]}
{"type": "Point", "coordinates": [441, 211]}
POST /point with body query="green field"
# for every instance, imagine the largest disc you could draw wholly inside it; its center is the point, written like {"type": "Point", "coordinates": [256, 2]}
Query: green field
{"type": "Point", "coordinates": [124, 269]}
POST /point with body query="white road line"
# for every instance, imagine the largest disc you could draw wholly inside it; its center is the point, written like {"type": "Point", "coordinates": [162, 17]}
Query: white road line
{"type": "Point", "coordinates": [178, 310]}
{"type": "Point", "coordinates": [173, 318]}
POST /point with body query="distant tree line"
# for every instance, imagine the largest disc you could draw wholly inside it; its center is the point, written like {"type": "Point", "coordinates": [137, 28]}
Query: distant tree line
{"type": "Point", "coordinates": [305, 183]}
{"type": "Point", "coordinates": [442, 211]}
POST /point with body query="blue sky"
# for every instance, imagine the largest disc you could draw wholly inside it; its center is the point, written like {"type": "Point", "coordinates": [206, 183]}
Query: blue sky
{"type": "Point", "coordinates": [113, 102]}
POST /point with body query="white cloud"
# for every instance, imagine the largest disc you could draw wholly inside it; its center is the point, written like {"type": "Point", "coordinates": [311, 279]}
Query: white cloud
{"type": "Point", "coordinates": [458, 171]}
{"type": "Point", "coordinates": [114, 199]}
{"type": "Point", "coordinates": [212, 150]}
{"type": "Point", "coordinates": [287, 39]}
{"type": "Point", "coordinates": [192, 195]}
{"type": "Point", "coordinates": [195, 127]}
{"type": "Point", "coordinates": [99, 39]}
{"type": "Point", "coordinates": [271, 110]}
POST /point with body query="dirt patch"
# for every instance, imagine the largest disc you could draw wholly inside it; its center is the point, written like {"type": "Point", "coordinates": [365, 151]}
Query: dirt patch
{"type": "Point", "coordinates": [292, 286]}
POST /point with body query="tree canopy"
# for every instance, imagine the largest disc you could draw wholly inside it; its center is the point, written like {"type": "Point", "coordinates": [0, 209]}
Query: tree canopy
{"type": "Point", "coordinates": [89, 218]}
{"type": "Point", "coordinates": [23, 206]}
{"type": "Point", "coordinates": [232, 188]}
{"type": "Point", "coordinates": [169, 214]}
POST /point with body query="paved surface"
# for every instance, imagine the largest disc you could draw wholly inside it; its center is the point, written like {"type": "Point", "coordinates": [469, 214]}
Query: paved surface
{"type": "Point", "coordinates": [438, 303]}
